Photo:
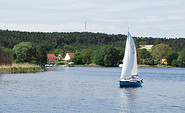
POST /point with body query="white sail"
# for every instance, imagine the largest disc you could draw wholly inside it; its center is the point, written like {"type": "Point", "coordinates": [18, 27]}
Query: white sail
{"type": "Point", "coordinates": [130, 60]}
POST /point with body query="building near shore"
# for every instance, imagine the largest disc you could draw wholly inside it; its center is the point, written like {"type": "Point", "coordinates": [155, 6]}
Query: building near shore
{"type": "Point", "coordinates": [164, 61]}
{"type": "Point", "coordinates": [68, 56]}
{"type": "Point", "coordinates": [52, 57]}
{"type": "Point", "coordinates": [147, 47]}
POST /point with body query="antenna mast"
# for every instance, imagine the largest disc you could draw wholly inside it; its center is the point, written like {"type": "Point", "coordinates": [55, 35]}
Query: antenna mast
{"type": "Point", "coordinates": [85, 24]}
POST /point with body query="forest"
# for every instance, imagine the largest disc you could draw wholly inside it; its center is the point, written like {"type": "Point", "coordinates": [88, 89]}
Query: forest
{"type": "Point", "coordinates": [72, 41]}
{"type": "Point", "coordinates": [89, 48]}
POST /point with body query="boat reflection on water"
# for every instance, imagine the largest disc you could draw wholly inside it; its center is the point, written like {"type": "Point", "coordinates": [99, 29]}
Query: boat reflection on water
{"type": "Point", "coordinates": [66, 69]}
{"type": "Point", "coordinates": [50, 68]}
{"type": "Point", "coordinates": [128, 98]}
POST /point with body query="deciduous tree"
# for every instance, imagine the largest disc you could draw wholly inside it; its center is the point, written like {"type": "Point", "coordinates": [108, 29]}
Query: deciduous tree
{"type": "Point", "coordinates": [8, 57]}
{"type": "Point", "coordinates": [107, 56]}
{"type": "Point", "coordinates": [24, 52]}
{"type": "Point", "coordinates": [143, 53]}
{"type": "Point", "coordinates": [171, 57]}
{"type": "Point", "coordinates": [182, 56]}
{"type": "Point", "coordinates": [87, 56]}
{"type": "Point", "coordinates": [1, 55]}
{"type": "Point", "coordinates": [40, 56]}
{"type": "Point", "coordinates": [57, 52]}
{"type": "Point", "coordinates": [77, 57]}
{"type": "Point", "coordinates": [161, 50]}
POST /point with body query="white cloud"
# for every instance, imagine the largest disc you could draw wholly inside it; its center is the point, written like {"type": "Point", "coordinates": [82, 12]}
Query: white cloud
{"type": "Point", "coordinates": [147, 19]}
{"type": "Point", "coordinates": [157, 18]}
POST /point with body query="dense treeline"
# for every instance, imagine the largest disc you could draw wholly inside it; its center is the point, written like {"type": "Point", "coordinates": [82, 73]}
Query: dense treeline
{"type": "Point", "coordinates": [109, 56]}
{"type": "Point", "coordinates": [90, 48]}
{"type": "Point", "coordinates": [73, 41]}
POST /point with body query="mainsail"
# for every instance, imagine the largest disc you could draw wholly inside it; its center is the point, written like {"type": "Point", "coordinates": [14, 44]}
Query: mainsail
{"type": "Point", "coordinates": [130, 59]}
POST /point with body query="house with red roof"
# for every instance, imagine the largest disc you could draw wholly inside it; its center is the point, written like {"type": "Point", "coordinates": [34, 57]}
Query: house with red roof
{"type": "Point", "coordinates": [52, 57]}
{"type": "Point", "coordinates": [164, 61]}
{"type": "Point", "coordinates": [68, 56]}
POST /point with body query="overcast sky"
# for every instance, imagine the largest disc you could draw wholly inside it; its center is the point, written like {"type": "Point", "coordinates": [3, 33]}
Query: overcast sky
{"type": "Point", "coordinates": [146, 18]}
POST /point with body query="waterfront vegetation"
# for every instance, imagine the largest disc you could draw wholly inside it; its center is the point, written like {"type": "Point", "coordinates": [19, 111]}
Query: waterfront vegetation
{"type": "Point", "coordinates": [20, 68]}
{"type": "Point", "coordinates": [161, 55]}
{"type": "Point", "coordinates": [91, 49]}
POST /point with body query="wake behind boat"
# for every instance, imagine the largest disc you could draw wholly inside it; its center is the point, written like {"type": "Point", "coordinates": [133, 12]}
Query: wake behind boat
{"type": "Point", "coordinates": [129, 74]}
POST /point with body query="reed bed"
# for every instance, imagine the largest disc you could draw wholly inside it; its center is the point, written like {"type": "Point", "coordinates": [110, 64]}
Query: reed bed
{"type": "Point", "coordinates": [20, 68]}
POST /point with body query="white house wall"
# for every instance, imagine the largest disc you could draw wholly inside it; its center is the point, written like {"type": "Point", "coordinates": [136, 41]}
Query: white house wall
{"type": "Point", "coordinates": [67, 57]}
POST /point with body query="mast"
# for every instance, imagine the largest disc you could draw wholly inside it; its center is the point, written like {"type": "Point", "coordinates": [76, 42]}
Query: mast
{"type": "Point", "coordinates": [85, 25]}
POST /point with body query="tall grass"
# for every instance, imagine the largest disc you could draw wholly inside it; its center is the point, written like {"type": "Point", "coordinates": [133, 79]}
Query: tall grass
{"type": "Point", "coordinates": [20, 68]}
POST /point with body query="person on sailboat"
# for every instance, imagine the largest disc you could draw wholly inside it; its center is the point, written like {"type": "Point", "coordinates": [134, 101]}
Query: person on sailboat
{"type": "Point", "coordinates": [132, 76]}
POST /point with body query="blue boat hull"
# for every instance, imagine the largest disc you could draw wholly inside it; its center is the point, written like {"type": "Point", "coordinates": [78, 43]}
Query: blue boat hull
{"type": "Point", "coordinates": [127, 83]}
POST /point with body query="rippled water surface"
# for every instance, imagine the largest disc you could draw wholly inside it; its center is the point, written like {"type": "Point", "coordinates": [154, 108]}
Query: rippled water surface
{"type": "Point", "coordinates": [92, 89]}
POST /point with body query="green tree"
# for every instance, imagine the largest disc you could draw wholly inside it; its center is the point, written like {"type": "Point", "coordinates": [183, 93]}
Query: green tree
{"type": "Point", "coordinates": [98, 57]}
{"type": "Point", "coordinates": [142, 43]}
{"type": "Point", "coordinates": [69, 48]}
{"type": "Point", "coordinates": [171, 57]}
{"type": "Point", "coordinates": [77, 57]}
{"type": "Point", "coordinates": [143, 53]}
{"type": "Point", "coordinates": [1, 55]}
{"type": "Point", "coordinates": [72, 41]}
{"type": "Point", "coordinates": [54, 44]}
{"type": "Point", "coordinates": [161, 50]}
{"type": "Point", "coordinates": [87, 56]}
{"type": "Point", "coordinates": [24, 52]}
{"type": "Point", "coordinates": [40, 56]}
{"type": "Point", "coordinates": [182, 56]}
{"type": "Point", "coordinates": [149, 61]}
{"type": "Point", "coordinates": [121, 54]}
{"type": "Point", "coordinates": [177, 63]}
{"type": "Point", "coordinates": [8, 57]}
{"type": "Point", "coordinates": [107, 56]}
{"type": "Point", "coordinates": [57, 52]}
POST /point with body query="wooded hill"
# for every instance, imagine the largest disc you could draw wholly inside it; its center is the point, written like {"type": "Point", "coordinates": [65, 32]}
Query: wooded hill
{"type": "Point", "coordinates": [71, 41]}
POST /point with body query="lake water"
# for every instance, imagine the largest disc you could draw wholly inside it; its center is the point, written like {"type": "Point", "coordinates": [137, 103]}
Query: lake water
{"type": "Point", "coordinates": [92, 90]}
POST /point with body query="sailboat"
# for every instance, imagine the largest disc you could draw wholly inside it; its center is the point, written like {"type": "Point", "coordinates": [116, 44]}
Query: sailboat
{"type": "Point", "coordinates": [129, 74]}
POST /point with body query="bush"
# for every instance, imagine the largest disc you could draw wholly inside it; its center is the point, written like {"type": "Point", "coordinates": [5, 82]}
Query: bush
{"type": "Point", "coordinates": [140, 62]}
{"type": "Point", "coordinates": [149, 61]}
{"type": "Point", "coordinates": [177, 63]}
{"type": "Point", "coordinates": [156, 62]}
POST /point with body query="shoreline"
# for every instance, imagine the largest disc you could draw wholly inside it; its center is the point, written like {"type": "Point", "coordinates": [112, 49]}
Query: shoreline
{"type": "Point", "coordinates": [158, 66]}
{"type": "Point", "coordinates": [14, 70]}
{"type": "Point", "coordinates": [31, 68]}
{"type": "Point", "coordinates": [140, 65]}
